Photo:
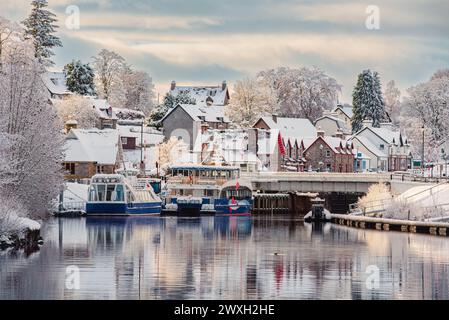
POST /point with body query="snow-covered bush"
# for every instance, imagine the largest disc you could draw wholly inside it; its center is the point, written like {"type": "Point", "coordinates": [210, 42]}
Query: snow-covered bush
{"type": "Point", "coordinates": [77, 108]}
{"type": "Point", "coordinates": [377, 198]}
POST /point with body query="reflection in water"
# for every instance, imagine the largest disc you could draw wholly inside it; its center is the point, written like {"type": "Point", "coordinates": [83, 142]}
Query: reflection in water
{"type": "Point", "coordinates": [224, 258]}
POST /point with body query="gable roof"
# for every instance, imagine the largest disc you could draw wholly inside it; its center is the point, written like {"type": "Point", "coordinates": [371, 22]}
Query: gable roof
{"type": "Point", "coordinates": [347, 110]}
{"type": "Point", "coordinates": [55, 83]}
{"type": "Point", "coordinates": [370, 146]}
{"type": "Point", "coordinates": [387, 135]}
{"type": "Point", "coordinates": [334, 143]}
{"type": "Point", "coordinates": [92, 145]}
{"type": "Point", "coordinates": [291, 128]}
{"type": "Point", "coordinates": [201, 94]}
{"type": "Point", "coordinates": [341, 124]}
{"type": "Point", "coordinates": [201, 113]}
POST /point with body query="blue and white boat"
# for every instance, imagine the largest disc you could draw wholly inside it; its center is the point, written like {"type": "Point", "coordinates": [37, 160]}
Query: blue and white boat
{"type": "Point", "coordinates": [117, 195]}
{"type": "Point", "coordinates": [194, 190]}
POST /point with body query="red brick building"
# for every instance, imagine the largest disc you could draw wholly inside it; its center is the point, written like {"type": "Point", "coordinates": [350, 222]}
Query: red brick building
{"type": "Point", "coordinates": [330, 154]}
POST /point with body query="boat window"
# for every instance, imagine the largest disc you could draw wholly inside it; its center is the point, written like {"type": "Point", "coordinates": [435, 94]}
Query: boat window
{"type": "Point", "coordinates": [93, 193]}
{"type": "Point", "coordinates": [109, 192]}
{"type": "Point", "coordinates": [119, 193]}
{"type": "Point", "coordinates": [101, 191]}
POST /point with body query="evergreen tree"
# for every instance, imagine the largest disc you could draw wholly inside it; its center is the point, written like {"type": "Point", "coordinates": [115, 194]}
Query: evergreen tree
{"type": "Point", "coordinates": [170, 102]}
{"type": "Point", "coordinates": [40, 26]}
{"type": "Point", "coordinates": [80, 78]}
{"type": "Point", "coordinates": [367, 101]}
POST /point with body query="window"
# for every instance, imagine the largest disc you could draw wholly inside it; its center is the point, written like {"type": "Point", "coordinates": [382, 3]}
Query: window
{"type": "Point", "coordinates": [202, 118]}
{"type": "Point", "coordinates": [70, 168]}
{"type": "Point", "coordinates": [124, 140]}
{"type": "Point", "coordinates": [110, 192]}
{"type": "Point", "coordinates": [101, 192]}
{"type": "Point", "coordinates": [208, 193]}
{"type": "Point", "coordinates": [328, 153]}
{"type": "Point", "coordinates": [382, 147]}
{"type": "Point", "coordinates": [329, 167]}
{"type": "Point", "coordinates": [119, 193]}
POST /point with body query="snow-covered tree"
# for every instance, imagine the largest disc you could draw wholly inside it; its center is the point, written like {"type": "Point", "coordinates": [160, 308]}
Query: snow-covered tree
{"type": "Point", "coordinates": [108, 67]}
{"type": "Point", "coordinates": [250, 100]}
{"type": "Point", "coordinates": [8, 32]}
{"type": "Point", "coordinates": [393, 102]}
{"type": "Point", "coordinates": [427, 105]}
{"type": "Point", "coordinates": [33, 130]}
{"type": "Point", "coordinates": [367, 101]}
{"type": "Point", "coordinates": [138, 91]}
{"type": "Point", "coordinates": [40, 25]}
{"type": "Point", "coordinates": [304, 92]}
{"type": "Point", "coordinates": [80, 78]}
{"type": "Point", "coordinates": [77, 108]}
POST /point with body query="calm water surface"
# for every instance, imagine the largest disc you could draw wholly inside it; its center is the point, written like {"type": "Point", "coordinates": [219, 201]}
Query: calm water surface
{"type": "Point", "coordinates": [224, 258]}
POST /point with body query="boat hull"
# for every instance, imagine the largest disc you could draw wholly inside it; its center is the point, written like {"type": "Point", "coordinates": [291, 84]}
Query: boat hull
{"type": "Point", "coordinates": [224, 207]}
{"type": "Point", "coordinates": [123, 209]}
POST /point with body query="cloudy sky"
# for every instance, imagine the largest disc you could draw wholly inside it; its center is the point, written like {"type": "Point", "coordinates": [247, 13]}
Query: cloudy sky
{"type": "Point", "coordinates": [206, 42]}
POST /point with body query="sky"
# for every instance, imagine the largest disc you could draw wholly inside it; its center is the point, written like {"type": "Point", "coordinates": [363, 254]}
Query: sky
{"type": "Point", "coordinates": [203, 42]}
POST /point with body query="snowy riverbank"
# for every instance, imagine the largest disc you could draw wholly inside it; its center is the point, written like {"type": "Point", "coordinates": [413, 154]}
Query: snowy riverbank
{"type": "Point", "coordinates": [19, 232]}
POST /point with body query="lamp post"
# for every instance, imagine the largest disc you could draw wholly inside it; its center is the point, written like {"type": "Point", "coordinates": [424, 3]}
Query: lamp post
{"type": "Point", "coordinates": [422, 150]}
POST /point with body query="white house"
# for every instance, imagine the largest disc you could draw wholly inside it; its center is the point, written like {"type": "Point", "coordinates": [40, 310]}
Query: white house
{"type": "Point", "coordinates": [55, 82]}
{"type": "Point", "coordinates": [388, 149]}
{"type": "Point", "coordinates": [332, 126]}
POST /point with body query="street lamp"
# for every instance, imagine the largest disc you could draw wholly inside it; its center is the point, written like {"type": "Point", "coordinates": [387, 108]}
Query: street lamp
{"type": "Point", "coordinates": [422, 159]}
{"type": "Point", "coordinates": [445, 157]}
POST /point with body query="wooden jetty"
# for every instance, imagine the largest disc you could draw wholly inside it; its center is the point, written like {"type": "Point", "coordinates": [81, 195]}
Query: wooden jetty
{"type": "Point", "coordinates": [363, 222]}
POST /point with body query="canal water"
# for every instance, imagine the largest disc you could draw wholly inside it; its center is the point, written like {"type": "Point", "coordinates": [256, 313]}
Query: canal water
{"type": "Point", "coordinates": [224, 258]}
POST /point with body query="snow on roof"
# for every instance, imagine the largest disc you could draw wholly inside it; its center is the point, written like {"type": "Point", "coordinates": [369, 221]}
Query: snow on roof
{"type": "Point", "coordinates": [202, 93]}
{"type": "Point", "coordinates": [293, 128]}
{"type": "Point", "coordinates": [346, 109]}
{"type": "Point", "coordinates": [340, 123]}
{"type": "Point", "coordinates": [92, 145]}
{"type": "Point", "coordinates": [103, 108]}
{"type": "Point", "coordinates": [204, 113]}
{"type": "Point", "coordinates": [128, 114]}
{"type": "Point", "coordinates": [55, 83]}
{"type": "Point", "coordinates": [150, 135]}
{"type": "Point", "coordinates": [370, 146]}
{"type": "Point", "coordinates": [388, 135]}
{"type": "Point", "coordinates": [333, 142]}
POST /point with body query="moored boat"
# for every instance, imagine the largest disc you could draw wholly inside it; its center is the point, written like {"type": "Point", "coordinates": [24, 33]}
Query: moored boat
{"type": "Point", "coordinates": [117, 195]}
{"type": "Point", "coordinates": [194, 190]}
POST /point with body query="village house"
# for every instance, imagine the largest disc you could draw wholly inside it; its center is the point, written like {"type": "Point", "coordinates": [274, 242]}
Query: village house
{"type": "Point", "coordinates": [91, 151]}
{"type": "Point", "coordinates": [226, 147]}
{"type": "Point", "coordinates": [332, 126]}
{"type": "Point", "coordinates": [186, 121]}
{"type": "Point", "coordinates": [388, 149]}
{"type": "Point", "coordinates": [107, 118]}
{"type": "Point", "coordinates": [203, 95]}
{"type": "Point", "coordinates": [290, 133]}
{"type": "Point", "coordinates": [55, 83]}
{"type": "Point", "coordinates": [330, 154]}
{"type": "Point", "coordinates": [135, 150]}
{"type": "Point", "coordinates": [344, 113]}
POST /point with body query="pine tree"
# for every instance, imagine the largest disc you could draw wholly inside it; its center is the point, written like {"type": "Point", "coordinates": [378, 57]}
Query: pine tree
{"type": "Point", "coordinates": [367, 101]}
{"type": "Point", "coordinates": [170, 102]}
{"type": "Point", "coordinates": [40, 26]}
{"type": "Point", "coordinates": [80, 78]}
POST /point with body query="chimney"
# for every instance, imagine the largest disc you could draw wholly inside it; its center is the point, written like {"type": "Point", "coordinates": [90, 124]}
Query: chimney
{"type": "Point", "coordinates": [173, 85]}
{"type": "Point", "coordinates": [70, 124]}
{"type": "Point", "coordinates": [339, 134]}
{"type": "Point", "coordinates": [223, 85]}
{"type": "Point", "coordinates": [320, 132]}
{"type": "Point", "coordinates": [274, 117]}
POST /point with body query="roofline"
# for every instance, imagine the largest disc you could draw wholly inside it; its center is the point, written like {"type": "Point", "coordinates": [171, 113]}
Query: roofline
{"type": "Point", "coordinates": [319, 137]}
{"type": "Point", "coordinates": [173, 109]}
{"type": "Point", "coordinates": [372, 132]}
{"type": "Point", "coordinates": [386, 156]}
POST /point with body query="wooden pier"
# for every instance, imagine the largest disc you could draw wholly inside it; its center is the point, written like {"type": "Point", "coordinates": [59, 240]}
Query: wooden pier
{"type": "Point", "coordinates": [362, 222]}
{"type": "Point", "coordinates": [272, 203]}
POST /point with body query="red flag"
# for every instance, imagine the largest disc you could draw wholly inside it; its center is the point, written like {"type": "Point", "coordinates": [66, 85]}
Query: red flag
{"type": "Point", "coordinates": [237, 185]}
{"type": "Point", "coordinates": [281, 145]}
{"type": "Point", "coordinates": [233, 201]}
